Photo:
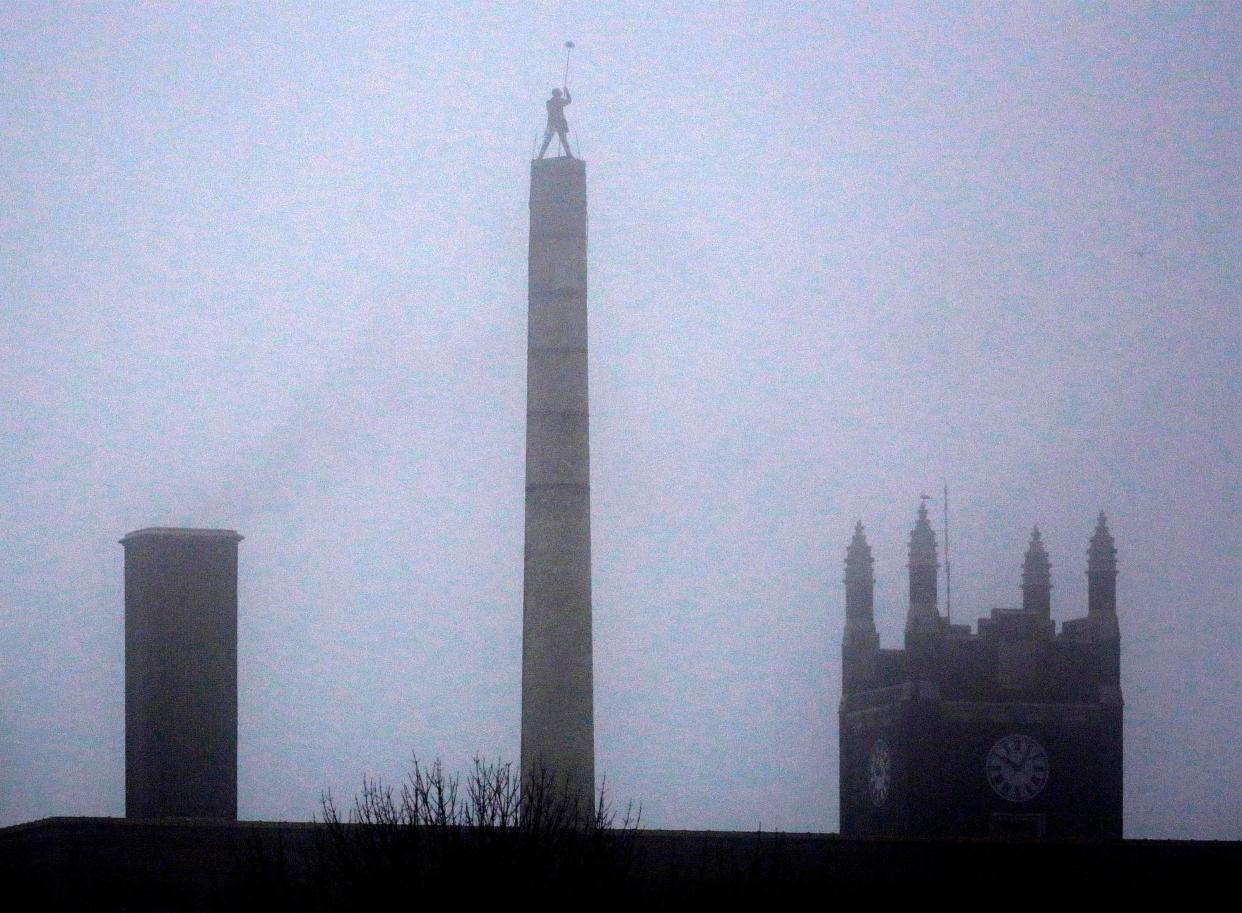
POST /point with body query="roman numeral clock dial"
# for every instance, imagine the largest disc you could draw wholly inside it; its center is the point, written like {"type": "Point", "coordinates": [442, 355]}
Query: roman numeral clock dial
{"type": "Point", "coordinates": [1017, 768]}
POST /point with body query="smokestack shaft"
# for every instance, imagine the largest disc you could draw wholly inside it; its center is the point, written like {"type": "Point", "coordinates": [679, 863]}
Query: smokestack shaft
{"type": "Point", "coordinates": [181, 673]}
{"type": "Point", "coordinates": [557, 690]}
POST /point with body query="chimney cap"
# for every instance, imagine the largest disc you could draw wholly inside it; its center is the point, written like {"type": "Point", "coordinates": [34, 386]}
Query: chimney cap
{"type": "Point", "coordinates": [180, 532]}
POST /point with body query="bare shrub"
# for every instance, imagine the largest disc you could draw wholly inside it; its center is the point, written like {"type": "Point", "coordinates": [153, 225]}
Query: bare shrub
{"type": "Point", "coordinates": [491, 841]}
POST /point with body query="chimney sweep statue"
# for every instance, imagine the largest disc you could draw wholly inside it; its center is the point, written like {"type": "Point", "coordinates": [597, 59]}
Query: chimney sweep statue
{"type": "Point", "coordinates": [556, 112]}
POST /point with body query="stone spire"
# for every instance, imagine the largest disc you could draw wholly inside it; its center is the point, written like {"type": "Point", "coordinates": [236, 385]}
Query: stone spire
{"type": "Point", "coordinates": [1101, 571]}
{"type": "Point", "coordinates": [859, 584]}
{"type": "Point", "coordinates": [1037, 578]}
{"type": "Point", "coordinates": [1101, 619]}
{"type": "Point", "coordinates": [861, 642]}
{"type": "Point", "coordinates": [923, 565]}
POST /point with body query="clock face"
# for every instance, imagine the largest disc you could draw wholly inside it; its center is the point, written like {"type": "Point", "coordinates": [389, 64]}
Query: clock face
{"type": "Point", "coordinates": [879, 772]}
{"type": "Point", "coordinates": [1017, 768]}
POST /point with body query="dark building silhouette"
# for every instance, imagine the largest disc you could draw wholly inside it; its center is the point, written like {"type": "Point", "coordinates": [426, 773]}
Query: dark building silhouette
{"type": "Point", "coordinates": [558, 732]}
{"type": "Point", "coordinates": [181, 673]}
{"type": "Point", "coordinates": [114, 864]}
{"type": "Point", "coordinates": [1012, 730]}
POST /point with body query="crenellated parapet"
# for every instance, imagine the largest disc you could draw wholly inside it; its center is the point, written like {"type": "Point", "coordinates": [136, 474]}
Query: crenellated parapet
{"type": "Point", "coordinates": [1012, 650]}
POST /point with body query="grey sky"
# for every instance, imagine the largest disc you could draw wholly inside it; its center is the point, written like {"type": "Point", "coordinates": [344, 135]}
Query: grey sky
{"type": "Point", "coordinates": [263, 266]}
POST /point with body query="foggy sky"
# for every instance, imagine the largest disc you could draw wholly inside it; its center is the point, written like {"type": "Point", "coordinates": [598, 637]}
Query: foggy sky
{"type": "Point", "coordinates": [263, 267]}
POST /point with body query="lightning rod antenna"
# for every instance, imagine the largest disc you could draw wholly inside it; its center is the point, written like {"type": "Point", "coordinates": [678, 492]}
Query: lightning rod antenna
{"type": "Point", "coordinates": [948, 568]}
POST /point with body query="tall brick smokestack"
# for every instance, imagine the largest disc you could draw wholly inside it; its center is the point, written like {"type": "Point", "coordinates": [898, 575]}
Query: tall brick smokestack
{"type": "Point", "coordinates": [181, 673]}
{"type": "Point", "coordinates": [558, 731]}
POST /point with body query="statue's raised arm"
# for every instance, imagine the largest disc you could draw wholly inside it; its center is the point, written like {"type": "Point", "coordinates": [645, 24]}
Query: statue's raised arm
{"type": "Point", "coordinates": [556, 112]}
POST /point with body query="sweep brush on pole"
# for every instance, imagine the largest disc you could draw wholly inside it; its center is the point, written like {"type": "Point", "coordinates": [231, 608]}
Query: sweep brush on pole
{"type": "Point", "coordinates": [569, 49]}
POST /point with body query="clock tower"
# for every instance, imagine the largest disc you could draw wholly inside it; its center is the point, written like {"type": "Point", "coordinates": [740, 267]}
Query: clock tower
{"type": "Point", "coordinates": [1009, 731]}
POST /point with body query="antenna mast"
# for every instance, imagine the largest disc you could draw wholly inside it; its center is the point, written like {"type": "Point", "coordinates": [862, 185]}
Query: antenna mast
{"type": "Point", "coordinates": [948, 569]}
